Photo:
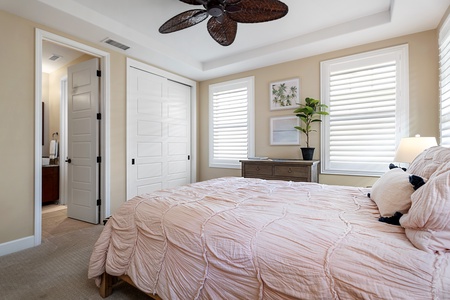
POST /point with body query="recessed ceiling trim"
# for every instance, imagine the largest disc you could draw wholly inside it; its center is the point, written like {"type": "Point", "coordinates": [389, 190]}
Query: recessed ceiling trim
{"type": "Point", "coordinates": [302, 40]}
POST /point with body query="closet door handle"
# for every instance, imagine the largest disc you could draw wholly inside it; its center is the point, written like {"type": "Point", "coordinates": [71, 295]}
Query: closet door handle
{"type": "Point", "coordinates": [68, 160]}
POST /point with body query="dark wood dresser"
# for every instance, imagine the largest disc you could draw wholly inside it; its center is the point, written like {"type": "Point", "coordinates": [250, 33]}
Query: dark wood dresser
{"type": "Point", "coordinates": [50, 183]}
{"type": "Point", "coordinates": [281, 169]}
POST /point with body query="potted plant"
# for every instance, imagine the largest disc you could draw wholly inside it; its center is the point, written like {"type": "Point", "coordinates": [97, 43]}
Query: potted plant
{"type": "Point", "coordinates": [309, 113]}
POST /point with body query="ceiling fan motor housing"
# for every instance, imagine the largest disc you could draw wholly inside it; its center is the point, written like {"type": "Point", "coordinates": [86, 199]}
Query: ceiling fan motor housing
{"type": "Point", "coordinates": [215, 10]}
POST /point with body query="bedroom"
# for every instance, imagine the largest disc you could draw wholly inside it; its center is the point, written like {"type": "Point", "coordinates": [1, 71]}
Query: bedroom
{"type": "Point", "coordinates": [18, 86]}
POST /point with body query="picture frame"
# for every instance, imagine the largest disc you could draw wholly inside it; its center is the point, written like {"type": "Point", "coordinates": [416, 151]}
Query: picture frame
{"type": "Point", "coordinates": [284, 94]}
{"type": "Point", "coordinates": [282, 131]}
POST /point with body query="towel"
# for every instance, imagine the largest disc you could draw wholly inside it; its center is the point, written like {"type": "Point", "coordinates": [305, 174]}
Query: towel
{"type": "Point", "coordinates": [53, 149]}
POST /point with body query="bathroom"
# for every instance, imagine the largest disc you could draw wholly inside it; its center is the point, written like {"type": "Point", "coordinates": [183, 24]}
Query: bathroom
{"type": "Point", "coordinates": [55, 62]}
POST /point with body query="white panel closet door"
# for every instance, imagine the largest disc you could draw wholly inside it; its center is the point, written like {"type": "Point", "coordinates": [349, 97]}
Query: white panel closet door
{"type": "Point", "coordinates": [158, 133]}
{"type": "Point", "coordinates": [178, 134]}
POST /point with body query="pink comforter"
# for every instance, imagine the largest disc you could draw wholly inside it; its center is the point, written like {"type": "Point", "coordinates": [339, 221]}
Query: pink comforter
{"type": "Point", "coordinates": [237, 238]}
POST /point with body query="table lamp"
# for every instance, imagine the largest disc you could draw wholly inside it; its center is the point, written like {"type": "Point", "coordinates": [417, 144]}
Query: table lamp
{"type": "Point", "coordinates": [410, 147]}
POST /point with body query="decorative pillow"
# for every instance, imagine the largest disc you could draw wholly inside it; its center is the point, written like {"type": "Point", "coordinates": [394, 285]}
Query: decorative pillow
{"type": "Point", "coordinates": [426, 163]}
{"type": "Point", "coordinates": [427, 223]}
{"type": "Point", "coordinates": [392, 192]}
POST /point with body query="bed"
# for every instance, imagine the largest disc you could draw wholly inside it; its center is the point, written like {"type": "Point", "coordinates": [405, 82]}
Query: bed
{"type": "Point", "coordinates": [245, 238]}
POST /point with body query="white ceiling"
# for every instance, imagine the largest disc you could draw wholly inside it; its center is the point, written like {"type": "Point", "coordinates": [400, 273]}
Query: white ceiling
{"type": "Point", "coordinates": [311, 27]}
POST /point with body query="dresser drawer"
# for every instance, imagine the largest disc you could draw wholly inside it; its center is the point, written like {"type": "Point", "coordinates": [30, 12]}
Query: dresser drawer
{"type": "Point", "coordinates": [291, 171]}
{"type": "Point", "coordinates": [280, 169]}
{"type": "Point", "coordinates": [253, 169]}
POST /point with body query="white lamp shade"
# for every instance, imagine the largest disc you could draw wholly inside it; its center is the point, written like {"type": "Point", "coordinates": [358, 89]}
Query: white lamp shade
{"type": "Point", "coordinates": [409, 148]}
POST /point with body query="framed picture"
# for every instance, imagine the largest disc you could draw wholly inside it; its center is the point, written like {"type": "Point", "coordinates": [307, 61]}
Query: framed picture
{"type": "Point", "coordinates": [282, 131]}
{"type": "Point", "coordinates": [284, 94]}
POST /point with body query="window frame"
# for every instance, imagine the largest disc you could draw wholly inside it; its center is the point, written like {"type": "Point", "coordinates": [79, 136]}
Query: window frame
{"type": "Point", "coordinates": [249, 84]}
{"type": "Point", "coordinates": [444, 81]}
{"type": "Point", "coordinates": [400, 55]}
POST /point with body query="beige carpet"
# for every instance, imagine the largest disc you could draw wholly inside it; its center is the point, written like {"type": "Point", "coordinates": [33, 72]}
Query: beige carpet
{"type": "Point", "coordinates": [57, 269]}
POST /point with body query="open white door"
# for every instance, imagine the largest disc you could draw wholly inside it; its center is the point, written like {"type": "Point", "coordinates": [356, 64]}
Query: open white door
{"type": "Point", "coordinates": [158, 133]}
{"type": "Point", "coordinates": [83, 145]}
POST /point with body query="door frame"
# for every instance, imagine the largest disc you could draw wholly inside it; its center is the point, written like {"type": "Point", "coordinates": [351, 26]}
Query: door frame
{"type": "Point", "coordinates": [63, 140]}
{"type": "Point", "coordinates": [131, 63]}
{"type": "Point", "coordinates": [104, 57]}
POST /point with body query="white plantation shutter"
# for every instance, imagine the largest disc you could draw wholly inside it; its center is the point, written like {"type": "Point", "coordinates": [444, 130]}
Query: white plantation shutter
{"type": "Point", "coordinates": [444, 71]}
{"type": "Point", "coordinates": [231, 126]}
{"type": "Point", "coordinates": [367, 99]}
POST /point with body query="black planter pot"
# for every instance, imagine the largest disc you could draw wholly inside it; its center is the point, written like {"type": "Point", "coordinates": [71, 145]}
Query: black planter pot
{"type": "Point", "coordinates": [307, 153]}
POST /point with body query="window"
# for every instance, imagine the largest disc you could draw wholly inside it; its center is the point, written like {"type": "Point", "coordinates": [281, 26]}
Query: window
{"type": "Point", "coordinates": [367, 95]}
{"type": "Point", "coordinates": [231, 122]}
{"type": "Point", "coordinates": [444, 82]}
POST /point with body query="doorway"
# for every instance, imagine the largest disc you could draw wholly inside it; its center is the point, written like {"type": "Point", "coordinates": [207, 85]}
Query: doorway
{"type": "Point", "coordinates": [43, 37]}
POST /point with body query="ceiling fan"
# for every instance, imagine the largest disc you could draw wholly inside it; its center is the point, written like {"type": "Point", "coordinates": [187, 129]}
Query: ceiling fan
{"type": "Point", "coordinates": [225, 14]}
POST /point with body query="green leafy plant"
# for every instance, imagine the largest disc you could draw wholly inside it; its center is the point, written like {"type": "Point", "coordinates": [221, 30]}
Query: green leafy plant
{"type": "Point", "coordinates": [309, 113]}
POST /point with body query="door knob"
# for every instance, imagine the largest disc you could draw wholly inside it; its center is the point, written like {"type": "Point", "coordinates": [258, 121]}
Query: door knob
{"type": "Point", "coordinates": [68, 160]}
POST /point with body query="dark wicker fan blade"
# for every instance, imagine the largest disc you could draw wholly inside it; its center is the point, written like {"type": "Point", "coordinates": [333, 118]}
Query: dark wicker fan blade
{"type": "Point", "coordinates": [224, 31]}
{"type": "Point", "coordinates": [255, 11]}
{"type": "Point", "coordinates": [184, 20]}
{"type": "Point", "coordinates": [228, 2]}
{"type": "Point", "coordinates": [194, 2]}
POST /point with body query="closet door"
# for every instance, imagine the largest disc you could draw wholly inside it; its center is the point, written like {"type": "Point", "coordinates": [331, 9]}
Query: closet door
{"type": "Point", "coordinates": [158, 133]}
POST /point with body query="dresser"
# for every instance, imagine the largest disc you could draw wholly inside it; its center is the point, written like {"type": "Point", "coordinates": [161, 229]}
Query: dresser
{"type": "Point", "coordinates": [281, 169]}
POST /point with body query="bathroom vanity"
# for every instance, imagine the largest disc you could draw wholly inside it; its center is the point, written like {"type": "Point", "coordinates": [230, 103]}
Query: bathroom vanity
{"type": "Point", "coordinates": [50, 183]}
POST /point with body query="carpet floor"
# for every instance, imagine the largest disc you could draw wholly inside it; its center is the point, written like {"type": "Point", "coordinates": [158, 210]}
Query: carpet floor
{"type": "Point", "coordinates": [57, 269]}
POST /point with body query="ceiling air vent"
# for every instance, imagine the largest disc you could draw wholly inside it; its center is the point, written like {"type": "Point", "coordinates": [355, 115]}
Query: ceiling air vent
{"type": "Point", "coordinates": [54, 57]}
{"type": "Point", "coordinates": [116, 44]}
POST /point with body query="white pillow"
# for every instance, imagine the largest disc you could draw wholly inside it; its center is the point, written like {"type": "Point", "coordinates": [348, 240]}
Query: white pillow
{"type": "Point", "coordinates": [392, 192]}
{"type": "Point", "coordinates": [427, 224]}
{"type": "Point", "coordinates": [426, 163]}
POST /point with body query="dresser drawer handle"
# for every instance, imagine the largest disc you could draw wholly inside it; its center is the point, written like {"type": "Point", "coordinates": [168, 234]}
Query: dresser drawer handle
{"type": "Point", "coordinates": [257, 169]}
{"type": "Point", "coordinates": [289, 170]}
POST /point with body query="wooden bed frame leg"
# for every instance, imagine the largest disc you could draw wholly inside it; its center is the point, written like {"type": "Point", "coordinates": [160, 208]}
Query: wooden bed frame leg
{"type": "Point", "coordinates": [106, 285]}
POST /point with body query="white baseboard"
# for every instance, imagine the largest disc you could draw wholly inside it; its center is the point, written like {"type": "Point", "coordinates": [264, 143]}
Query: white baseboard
{"type": "Point", "coordinates": [16, 245]}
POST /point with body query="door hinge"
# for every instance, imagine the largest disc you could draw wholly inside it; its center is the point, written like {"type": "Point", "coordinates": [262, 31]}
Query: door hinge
{"type": "Point", "coordinates": [99, 159]}
{"type": "Point", "coordinates": [99, 116]}
{"type": "Point", "coordinates": [99, 73]}
{"type": "Point", "coordinates": [99, 202]}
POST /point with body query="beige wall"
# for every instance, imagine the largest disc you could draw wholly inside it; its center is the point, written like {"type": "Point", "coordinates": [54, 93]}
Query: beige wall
{"type": "Point", "coordinates": [424, 96]}
{"type": "Point", "coordinates": [16, 129]}
{"type": "Point", "coordinates": [17, 110]}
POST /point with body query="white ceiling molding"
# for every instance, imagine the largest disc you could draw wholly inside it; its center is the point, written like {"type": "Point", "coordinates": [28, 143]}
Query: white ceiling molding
{"type": "Point", "coordinates": [310, 28]}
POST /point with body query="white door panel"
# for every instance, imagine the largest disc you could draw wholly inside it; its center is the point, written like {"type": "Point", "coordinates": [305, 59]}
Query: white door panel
{"type": "Point", "coordinates": [158, 133]}
{"type": "Point", "coordinates": [83, 90]}
{"type": "Point", "coordinates": [179, 134]}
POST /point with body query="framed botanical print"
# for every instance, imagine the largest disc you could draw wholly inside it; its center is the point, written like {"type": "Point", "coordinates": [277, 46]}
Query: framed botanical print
{"type": "Point", "coordinates": [284, 94]}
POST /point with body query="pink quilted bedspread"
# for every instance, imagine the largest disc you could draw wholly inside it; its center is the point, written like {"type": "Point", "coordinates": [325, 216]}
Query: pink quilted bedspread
{"type": "Point", "coordinates": [237, 238]}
